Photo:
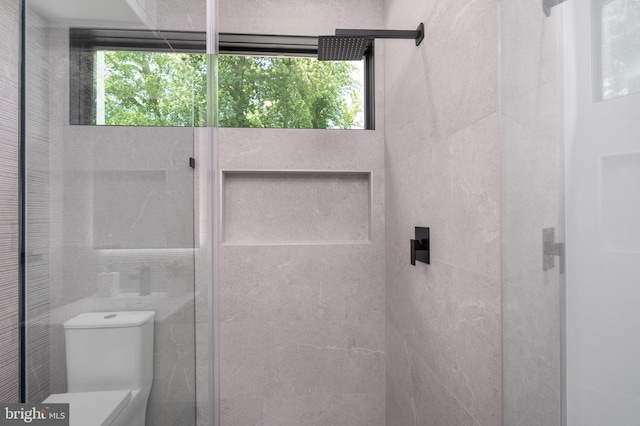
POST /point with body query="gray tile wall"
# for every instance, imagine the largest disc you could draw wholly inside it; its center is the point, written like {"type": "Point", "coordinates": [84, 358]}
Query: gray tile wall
{"type": "Point", "coordinates": [309, 17]}
{"type": "Point", "coordinates": [277, 207]}
{"type": "Point", "coordinates": [38, 208]}
{"type": "Point", "coordinates": [301, 326]}
{"type": "Point", "coordinates": [37, 198]}
{"type": "Point", "coordinates": [9, 82]}
{"type": "Point", "coordinates": [302, 323]}
{"type": "Point", "coordinates": [442, 171]}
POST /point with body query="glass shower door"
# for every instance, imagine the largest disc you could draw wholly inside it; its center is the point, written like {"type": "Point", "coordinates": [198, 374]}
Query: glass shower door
{"type": "Point", "coordinates": [570, 102]}
{"type": "Point", "coordinates": [602, 91]}
{"type": "Point", "coordinates": [531, 213]}
{"type": "Point", "coordinates": [110, 210]}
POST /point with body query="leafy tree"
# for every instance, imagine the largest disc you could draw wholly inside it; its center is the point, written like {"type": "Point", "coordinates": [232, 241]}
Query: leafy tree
{"type": "Point", "coordinates": [287, 92]}
{"type": "Point", "coordinates": [154, 89]}
{"type": "Point", "coordinates": [168, 89]}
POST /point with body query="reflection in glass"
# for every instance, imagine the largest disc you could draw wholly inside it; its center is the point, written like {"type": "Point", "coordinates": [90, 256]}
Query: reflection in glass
{"type": "Point", "coordinates": [620, 48]}
{"type": "Point", "coordinates": [109, 222]}
{"type": "Point", "coordinates": [150, 88]}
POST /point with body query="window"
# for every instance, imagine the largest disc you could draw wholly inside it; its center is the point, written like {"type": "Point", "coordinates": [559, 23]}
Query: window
{"type": "Point", "coordinates": [134, 78]}
{"type": "Point", "coordinates": [616, 40]}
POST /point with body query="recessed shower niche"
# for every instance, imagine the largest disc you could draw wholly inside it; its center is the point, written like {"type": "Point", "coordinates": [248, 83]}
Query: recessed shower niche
{"type": "Point", "coordinates": [133, 188]}
{"type": "Point", "coordinates": [130, 210]}
{"type": "Point", "coordinates": [295, 206]}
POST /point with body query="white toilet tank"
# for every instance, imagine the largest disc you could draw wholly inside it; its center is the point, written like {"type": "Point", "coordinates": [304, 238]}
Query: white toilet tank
{"type": "Point", "coordinates": [110, 351]}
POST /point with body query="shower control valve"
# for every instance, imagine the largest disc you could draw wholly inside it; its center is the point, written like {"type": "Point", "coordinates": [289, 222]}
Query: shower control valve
{"type": "Point", "coordinates": [420, 246]}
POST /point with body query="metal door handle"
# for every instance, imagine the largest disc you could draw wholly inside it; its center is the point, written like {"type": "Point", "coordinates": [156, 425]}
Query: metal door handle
{"type": "Point", "coordinates": [551, 249]}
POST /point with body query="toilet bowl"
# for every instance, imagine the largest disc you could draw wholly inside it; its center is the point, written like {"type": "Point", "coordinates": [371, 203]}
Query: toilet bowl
{"type": "Point", "coordinates": [93, 408]}
{"type": "Point", "coordinates": [109, 359]}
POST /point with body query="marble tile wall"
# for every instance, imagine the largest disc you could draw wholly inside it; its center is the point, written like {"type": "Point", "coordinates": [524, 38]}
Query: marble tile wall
{"type": "Point", "coordinates": [301, 326]}
{"type": "Point", "coordinates": [9, 87]}
{"type": "Point", "coordinates": [185, 15]}
{"type": "Point", "coordinates": [443, 171]}
{"type": "Point", "coordinates": [531, 194]}
{"type": "Point", "coordinates": [309, 17]}
{"type": "Point", "coordinates": [272, 207]}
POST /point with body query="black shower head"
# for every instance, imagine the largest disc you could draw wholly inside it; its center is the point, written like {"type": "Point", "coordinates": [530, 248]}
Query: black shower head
{"type": "Point", "coordinates": [350, 45]}
{"type": "Point", "coordinates": [341, 48]}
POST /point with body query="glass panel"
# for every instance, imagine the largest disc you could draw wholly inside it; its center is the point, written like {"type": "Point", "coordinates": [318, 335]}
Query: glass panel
{"type": "Point", "coordinates": [150, 88]}
{"type": "Point", "coordinates": [603, 256]}
{"type": "Point", "coordinates": [532, 201]}
{"type": "Point", "coordinates": [620, 22]}
{"type": "Point", "coordinates": [597, 306]}
{"type": "Point", "coordinates": [141, 84]}
{"type": "Point", "coordinates": [111, 215]}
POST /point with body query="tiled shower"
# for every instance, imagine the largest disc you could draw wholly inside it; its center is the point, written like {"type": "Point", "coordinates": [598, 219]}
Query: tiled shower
{"type": "Point", "coordinates": [277, 260]}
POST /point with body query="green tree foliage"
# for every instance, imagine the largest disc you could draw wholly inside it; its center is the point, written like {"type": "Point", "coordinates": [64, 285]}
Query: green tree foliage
{"type": "Point", "coordinates": [168, 89]}
{"type": "Point", "coordinates": [287, 92]}
{"type": "Point", "coordinates": [155, 89]}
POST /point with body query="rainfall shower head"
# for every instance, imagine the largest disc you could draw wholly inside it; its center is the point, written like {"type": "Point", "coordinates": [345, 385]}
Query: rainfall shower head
{"type": "Point", "coordinates": [350, 45]}
{"type": "Point", "coordinates": [341, 48]}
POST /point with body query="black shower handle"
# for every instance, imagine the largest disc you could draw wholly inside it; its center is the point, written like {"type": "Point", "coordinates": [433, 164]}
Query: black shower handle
{"type": "Point", "coordinates": [420, 246]}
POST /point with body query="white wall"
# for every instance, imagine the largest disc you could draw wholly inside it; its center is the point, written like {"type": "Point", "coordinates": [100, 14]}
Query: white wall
{"type": "Point", "coordinates": [603, 206]}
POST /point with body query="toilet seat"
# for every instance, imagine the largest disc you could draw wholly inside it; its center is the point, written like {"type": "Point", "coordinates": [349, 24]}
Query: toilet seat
{"type": "Point", "coordinates": [92, 408]}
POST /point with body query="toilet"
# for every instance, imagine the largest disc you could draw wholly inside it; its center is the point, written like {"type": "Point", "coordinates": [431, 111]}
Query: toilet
{"type": "Point", "coordinates": [109, 368]}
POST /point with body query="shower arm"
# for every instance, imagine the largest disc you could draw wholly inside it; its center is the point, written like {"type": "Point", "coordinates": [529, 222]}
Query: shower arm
{"type": "Point", "coordinates": [417, 35]}
{"type": "Point", "coordinates": [350, 45]}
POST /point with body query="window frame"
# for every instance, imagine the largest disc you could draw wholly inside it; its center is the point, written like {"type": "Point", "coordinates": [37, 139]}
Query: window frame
{"type": "Point", "coordinates": [83, 42]}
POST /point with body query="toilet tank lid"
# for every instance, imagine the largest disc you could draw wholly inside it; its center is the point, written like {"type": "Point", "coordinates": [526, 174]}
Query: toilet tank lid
{"type": "Point", "coordinates": [110, 319]}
